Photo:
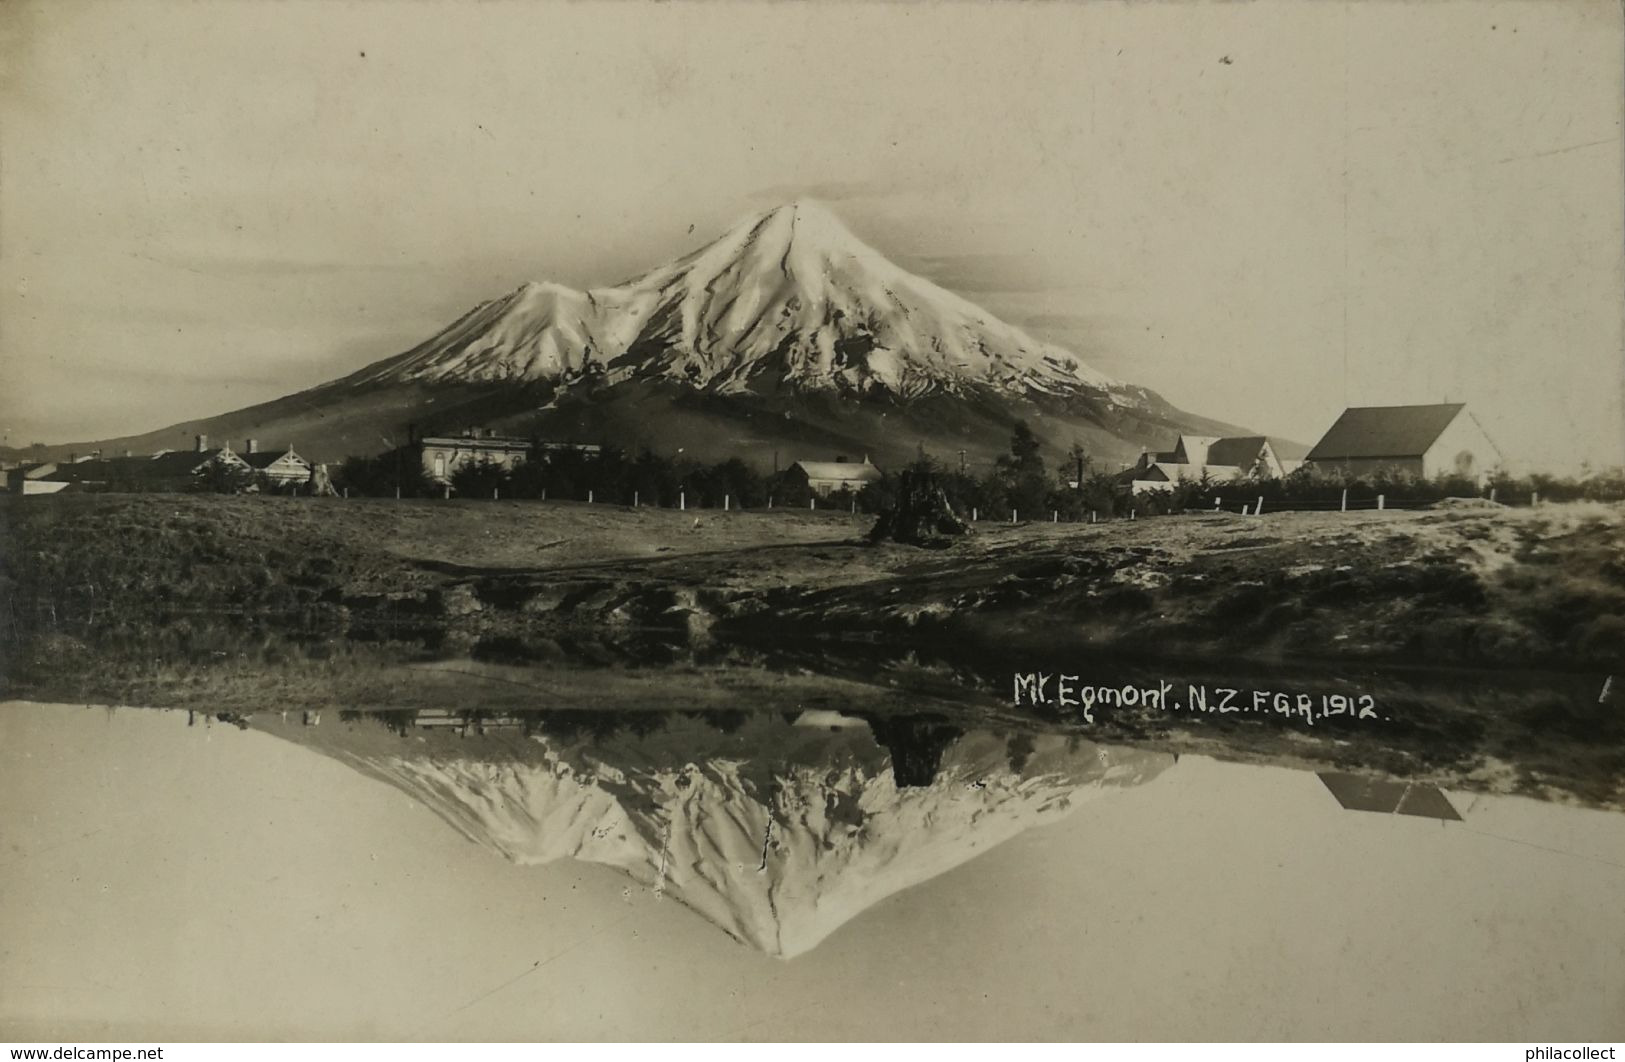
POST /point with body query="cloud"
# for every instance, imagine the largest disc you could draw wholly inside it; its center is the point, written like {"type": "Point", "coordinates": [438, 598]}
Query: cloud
{"type": "Point", "coordinates": [828, 191]}
{"type": "Point", "coordinates": [243, 266]}
{"type": "Point", "coordinates": [982, 272]}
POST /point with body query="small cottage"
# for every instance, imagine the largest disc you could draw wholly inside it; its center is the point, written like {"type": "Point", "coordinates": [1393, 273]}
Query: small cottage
{"type": "Point", "coordinates": [282, 467]}
{"type": "Point", "coordinates": [830, 477]}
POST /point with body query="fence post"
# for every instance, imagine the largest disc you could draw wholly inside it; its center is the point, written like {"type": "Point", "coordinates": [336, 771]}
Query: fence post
{"type": "Point", "coordinates": [346, 492]}
{"type": "Point", "coordinates": [973, 514]}
{"type": "Point", "coordinates": [854, 505]}
{"type": "Point", "coordinates": [1534, 498]}
{"type": "Point", "coordinates": [1012, 516]}
{"type": "Point", "coordinates": [494, 494]}
{"type": "Point", "coordinates": [726, 502]}
{"type": "Point", "coordinates": [770, 501]}
{"type": "Point", "coordinates": [1492, 494]}
{"type": "Point", "coordinates": [1382, 501]}
{"type": "Point", "coordinates": [544, 493]}
{"type": "Point", "coordinates": [1091, 516]}
{"type": "Point", "coordinates": [1344, 507]}
{"type": "Point", "coordinates": [397, 492]}
{"type": "Point", "coordinates": [634, 499]}
{"type": "Point", "coordinates": [812, 503]}
{"type": "Point", "coordinates": [1258, 510]}
{"type": "Point", "coordinates": [589, 497]}
{"type": "Point", "coordinates": [448, 494]}
{"type": "Point", "coordinates": [1216, 501]}
{"type": "Point", "coordinates": [1055, 516]}
{"type": "Point", "coordinates": [1132, 514]}
{"type": "Point", "coordinates": [682, 499]}
{"type": "Point", "coordinates": [1244, 508]}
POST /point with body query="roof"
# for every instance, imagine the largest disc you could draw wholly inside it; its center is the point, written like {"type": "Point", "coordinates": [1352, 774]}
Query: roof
{"type": "Point", "coordinates": [1241, 450]}
{"type": "Point", "coordinates": [847, 471]}
{"type": "Point", "coordinates": [267, 458]}
{"type": "Point", "coordinates": [1358, 792]}
{"type": "Point", "coordinates": [1385, 431]}
{"type": "Point", "coordinates": [494, 442]}
{"type": "Point", "coordinates": [1287, 450]}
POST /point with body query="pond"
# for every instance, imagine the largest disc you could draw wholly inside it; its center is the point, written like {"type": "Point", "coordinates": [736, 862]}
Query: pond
{"type": "Point", "coordinates": [485, 870]}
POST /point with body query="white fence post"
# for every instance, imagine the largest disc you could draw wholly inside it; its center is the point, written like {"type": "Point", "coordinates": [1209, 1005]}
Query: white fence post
{"type": "Point", "coordinates": [725, 503]}
{"type": "Point", "coordinates": [1055, 516]}
{"type": "Point", "coordinates": [682, 499]}
{"type": "Point", "coordinates": [1258, 509]}
{"type": "Point", "coordinates": [1382, 501]}
{"type": "Point", "coordinates": [812, 503]}
{"type": "Point", "coordinates": [494, 494]}
{"type": "Point", "coordinates": [634, 499]}
{"type": "Point", "coordinates": [1534, 498]}
{"type": "Point", "coordinates": [589, 497]}
{"type": "Point", "coordinates": [1344, 507]}
{"type": "Point", "coordinates": [973, 514]}
{"type": "Point", "coordinates": [1244, 508]}
{"type": "Point", "coordinates": [1012, 516]}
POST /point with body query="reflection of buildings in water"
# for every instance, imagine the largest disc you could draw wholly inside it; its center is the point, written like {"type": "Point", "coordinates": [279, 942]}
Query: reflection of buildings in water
{"type": "Point", "coordinates": [1359, 792]}
{"type": "Point", "coordinates": [776, 829]}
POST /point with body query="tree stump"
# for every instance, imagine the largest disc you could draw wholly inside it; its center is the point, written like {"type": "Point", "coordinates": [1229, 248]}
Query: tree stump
{"type": "Point", "coordinates": [920, 515]}
{"type": "Point", "coordinates": [320, 483]}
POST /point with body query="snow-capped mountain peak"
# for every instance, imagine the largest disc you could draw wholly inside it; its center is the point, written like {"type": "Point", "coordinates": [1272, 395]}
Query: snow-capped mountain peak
{"type": "Point", "coordinates": [777, 834]}
{"type": "Point", "coordinates": [787, 299]}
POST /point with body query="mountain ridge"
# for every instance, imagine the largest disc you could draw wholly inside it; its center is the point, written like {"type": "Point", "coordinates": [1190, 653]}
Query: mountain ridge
{"type": "Point", "coordinates": [785, 333]}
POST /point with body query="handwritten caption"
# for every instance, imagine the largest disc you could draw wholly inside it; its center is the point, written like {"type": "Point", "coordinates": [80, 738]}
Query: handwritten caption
{"type": "Point", "coordinates": [1051, 689]}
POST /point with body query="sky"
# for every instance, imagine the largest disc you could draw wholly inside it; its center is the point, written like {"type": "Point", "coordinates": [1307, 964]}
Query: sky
{"type": "Point", "coordinates": [1264, 211]}
{"type": "Point", "coordinates": [209, 883]}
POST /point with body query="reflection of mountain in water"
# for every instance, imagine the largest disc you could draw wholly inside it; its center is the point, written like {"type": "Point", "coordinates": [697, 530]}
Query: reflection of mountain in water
{"type": "Point", "coordinates": [777, 830]}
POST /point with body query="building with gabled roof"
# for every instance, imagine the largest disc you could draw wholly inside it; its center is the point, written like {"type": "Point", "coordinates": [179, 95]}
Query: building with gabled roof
{"type": "Point", "coordinates": [282, 467]}
{"type": "Point", "coordinates": [828, 477]}
{"type": "Point", "coordinates": [1425, 441]}
{"type": "Point", "coordinates": [1218, 459]}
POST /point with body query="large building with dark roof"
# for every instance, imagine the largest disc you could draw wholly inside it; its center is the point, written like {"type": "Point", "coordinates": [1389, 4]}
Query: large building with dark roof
{"type": "Point", "coordinates": [1424, 441]}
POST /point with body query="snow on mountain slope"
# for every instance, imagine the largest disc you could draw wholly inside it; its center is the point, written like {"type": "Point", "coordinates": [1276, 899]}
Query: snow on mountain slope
{"type": "Point", "coordinates": [777, 847]}
{"type": "Point", "coordinates": [787, 299]}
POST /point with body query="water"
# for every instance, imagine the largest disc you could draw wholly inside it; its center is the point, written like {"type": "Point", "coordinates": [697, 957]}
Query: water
{"type": "Point", "coordinates": [766, 871]}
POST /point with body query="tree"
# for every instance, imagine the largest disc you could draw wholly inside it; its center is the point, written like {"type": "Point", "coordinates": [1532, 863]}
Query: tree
{"type": "Point", "coordinates": [1020, 478]}
{"type": "Point", "coordinates": [223, 477]}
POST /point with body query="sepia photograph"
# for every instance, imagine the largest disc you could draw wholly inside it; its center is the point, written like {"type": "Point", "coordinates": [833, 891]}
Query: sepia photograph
{"type": "Point", "coordinates": [730, 521]}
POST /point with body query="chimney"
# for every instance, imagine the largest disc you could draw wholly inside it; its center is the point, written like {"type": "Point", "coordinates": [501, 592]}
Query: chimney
{"type": "Point", "coordinates": [202, 443]}
{"type": "Point", "coordinates": [253, 446]}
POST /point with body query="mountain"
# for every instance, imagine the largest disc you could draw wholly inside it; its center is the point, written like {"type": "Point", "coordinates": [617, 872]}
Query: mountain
{"type": "Point", "coordinates": [787, 332]}
{"type": "Point", "coordinates": [777, 832]}
{"type": "Point", "coordinates": [787, 300]}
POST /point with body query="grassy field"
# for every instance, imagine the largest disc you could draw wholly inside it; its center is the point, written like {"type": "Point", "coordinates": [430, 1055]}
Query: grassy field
{"type": "Point", "coordinates": [1487, 586]}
